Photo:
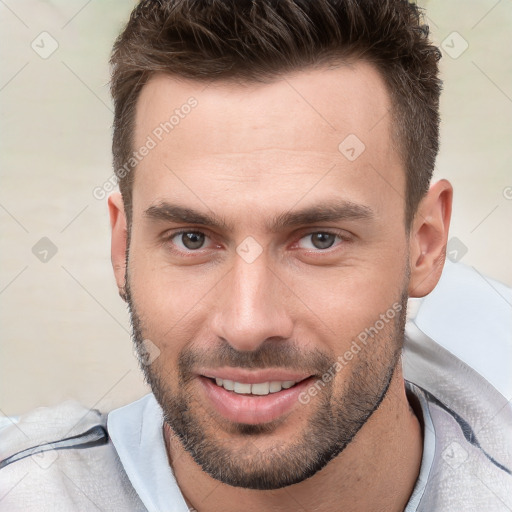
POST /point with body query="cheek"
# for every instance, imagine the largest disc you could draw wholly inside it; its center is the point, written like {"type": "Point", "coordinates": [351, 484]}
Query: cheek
{"type": "Point", "coordinates": [167, 297]}
{"type": "Point", "coordinates": [343, 303]}
{"type": "Point", "coordinates": [370, 353]}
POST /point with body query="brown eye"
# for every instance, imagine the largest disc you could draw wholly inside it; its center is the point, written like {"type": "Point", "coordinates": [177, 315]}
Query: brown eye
{"type": "Point", "coordinates": [190, 240]}
{"type": "Point", "coordinates": [318, 240]}
{"type": "Point", "coordinates": [322, 240]}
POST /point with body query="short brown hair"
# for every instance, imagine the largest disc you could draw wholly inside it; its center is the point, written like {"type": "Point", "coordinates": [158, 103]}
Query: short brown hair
{"type": "Point", "coordinates": [259, 40]}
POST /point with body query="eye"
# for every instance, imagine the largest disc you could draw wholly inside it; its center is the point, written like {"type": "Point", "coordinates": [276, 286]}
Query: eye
{"type": "Point", "coordinates": [188, 240]}
{"type": "Point", "coordinates": [318, 240]}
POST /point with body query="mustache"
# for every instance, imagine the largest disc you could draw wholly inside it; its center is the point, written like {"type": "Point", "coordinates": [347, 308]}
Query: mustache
{"type": "Point", "coordinates": [270, 354]}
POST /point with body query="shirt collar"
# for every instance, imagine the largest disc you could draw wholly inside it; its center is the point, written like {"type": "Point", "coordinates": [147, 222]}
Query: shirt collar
{"type": "Point", "coordinates": [137, 434]}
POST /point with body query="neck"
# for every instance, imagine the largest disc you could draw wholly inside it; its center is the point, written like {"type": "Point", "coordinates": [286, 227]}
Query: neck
{"type": "Point", "coordinates": [376, 471]}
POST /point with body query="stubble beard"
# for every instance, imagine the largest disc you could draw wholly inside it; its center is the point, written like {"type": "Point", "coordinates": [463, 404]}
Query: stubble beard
{"type": "Point", "coordinates": [228, 453]}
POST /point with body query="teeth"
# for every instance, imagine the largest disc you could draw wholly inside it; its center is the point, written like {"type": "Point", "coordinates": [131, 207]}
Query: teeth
{"type": "Point", "coordinates": [275, 387]}
{"type": "Point", "coordinates": [243, 389]}
{"type": "Point", "coordinates": [261, 388]}
{"type": "Point", "coordinates": [227, 384]}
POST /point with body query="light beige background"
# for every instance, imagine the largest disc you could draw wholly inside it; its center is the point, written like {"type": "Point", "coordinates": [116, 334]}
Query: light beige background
{"type": "Point", "coordinates": [64, 330]}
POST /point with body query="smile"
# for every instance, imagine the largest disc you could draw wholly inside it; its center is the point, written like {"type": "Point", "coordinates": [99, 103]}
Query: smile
{"type": "Point", "coordinates": [259, 388]}
{"type": "Point", "coordinates": [252, 397]}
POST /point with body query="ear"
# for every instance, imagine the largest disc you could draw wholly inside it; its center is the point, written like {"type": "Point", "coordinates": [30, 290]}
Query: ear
{"type": "Point", "coordinates": [428, 238]}
{"type": "Point", "coordinates": [119, 240]}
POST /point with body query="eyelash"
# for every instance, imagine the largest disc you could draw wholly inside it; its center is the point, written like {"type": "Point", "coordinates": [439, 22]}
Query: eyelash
{"type": "Point", "coordinates": [170, 237]}
{"type": "Point", "coordinates": [342, 238]}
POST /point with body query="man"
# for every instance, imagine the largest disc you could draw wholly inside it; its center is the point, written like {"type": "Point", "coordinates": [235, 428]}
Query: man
{"type": "Point", "coordinates": [275, 215]}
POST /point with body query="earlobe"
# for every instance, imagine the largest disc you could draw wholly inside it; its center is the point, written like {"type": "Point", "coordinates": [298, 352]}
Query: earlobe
{"type": "Point", "coordinates": [428, 238]}
{"type": "Point", "coordinates": [119, 240]}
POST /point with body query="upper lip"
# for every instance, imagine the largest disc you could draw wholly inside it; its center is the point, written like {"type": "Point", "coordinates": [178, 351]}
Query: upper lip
{"type": "Point", "coordinates": [253, 376]}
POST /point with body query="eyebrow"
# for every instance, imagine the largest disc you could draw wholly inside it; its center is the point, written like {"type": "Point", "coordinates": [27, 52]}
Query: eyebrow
{"type": "Point", "coordinates": [330, 211]}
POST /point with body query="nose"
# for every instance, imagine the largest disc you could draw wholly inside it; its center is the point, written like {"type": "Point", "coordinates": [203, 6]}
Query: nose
{"type": "Point", "coordinates": [251, 306]}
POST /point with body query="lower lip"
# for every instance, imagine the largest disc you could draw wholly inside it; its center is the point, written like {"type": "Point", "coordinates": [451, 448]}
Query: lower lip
{"type": "Point", "coordinates": [252, 409]}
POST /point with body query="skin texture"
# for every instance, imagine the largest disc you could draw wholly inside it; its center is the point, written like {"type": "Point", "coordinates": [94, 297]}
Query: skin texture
{"type": "Point", "coordinates": [248, 153]}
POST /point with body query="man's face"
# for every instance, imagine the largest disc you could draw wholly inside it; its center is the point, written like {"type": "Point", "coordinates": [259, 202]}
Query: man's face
{"type": "Point", "coordinates": [276, 291]}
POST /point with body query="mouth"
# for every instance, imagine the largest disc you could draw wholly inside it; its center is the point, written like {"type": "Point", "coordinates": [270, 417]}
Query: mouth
{"type": "Point", "coordinates": [253, 398]}
{"type": "Point", "coordinates": [258, 388]}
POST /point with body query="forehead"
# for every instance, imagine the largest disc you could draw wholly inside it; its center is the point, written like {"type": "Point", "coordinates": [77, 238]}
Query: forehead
{"type": "Point", "coordinates": [322, 130]}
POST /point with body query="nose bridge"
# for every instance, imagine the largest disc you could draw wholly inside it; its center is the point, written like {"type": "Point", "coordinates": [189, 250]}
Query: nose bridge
{"type": "Point", "coordinates": [250, 308]}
